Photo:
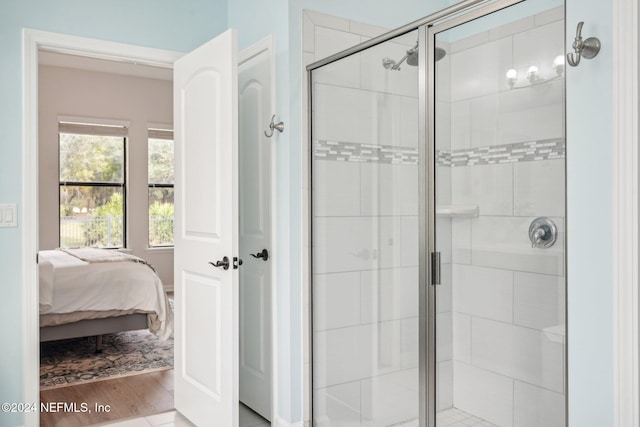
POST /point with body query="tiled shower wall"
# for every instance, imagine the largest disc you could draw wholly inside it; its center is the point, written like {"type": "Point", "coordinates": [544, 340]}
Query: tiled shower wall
{"type": "Point", "coordinates": [365, 226]}
{"type": "Point", "coordinates": [506, 156]}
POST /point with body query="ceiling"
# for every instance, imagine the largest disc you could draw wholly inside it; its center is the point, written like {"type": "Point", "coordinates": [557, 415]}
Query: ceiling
{"type": "Point", "coordinates": [103, 65]}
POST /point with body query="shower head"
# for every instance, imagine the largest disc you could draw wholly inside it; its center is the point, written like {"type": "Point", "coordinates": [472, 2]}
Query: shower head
{"type": "Point", "coordinates": [411, 57]}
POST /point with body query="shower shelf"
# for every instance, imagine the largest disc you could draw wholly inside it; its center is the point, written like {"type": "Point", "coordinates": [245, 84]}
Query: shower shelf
{"type": "Point", "coordinates": [457, 211]}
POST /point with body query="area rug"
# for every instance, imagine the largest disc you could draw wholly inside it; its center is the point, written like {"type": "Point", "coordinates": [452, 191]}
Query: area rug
{"type": "Point", "coordinates": [75, 361]}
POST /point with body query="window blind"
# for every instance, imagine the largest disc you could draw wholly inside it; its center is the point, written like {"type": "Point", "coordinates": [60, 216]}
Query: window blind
{"type": "Point", "coordinates": [161, 134]}
{"type": "Point", "coordinates": [92, 129]}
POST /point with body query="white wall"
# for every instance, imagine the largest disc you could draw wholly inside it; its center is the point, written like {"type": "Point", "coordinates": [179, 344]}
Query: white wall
{"type": "Point", "coordinates": [96, 95]}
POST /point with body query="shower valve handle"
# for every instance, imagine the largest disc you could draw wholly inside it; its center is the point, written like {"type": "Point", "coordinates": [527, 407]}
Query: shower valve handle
{"type": "Point", "coordinates": [543, 233]}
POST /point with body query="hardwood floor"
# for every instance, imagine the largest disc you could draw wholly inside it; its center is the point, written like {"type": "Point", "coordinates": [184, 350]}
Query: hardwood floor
{"type": "Point", "coordinates": [133, 396]}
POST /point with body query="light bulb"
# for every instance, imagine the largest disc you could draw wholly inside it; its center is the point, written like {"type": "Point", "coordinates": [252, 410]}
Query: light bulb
{"type": "Point", "coordinates": [512, 76]}
{"type": "Point", "coordinates": [532, 74]}
{"type": "Point", "coordinates": [558, 64]}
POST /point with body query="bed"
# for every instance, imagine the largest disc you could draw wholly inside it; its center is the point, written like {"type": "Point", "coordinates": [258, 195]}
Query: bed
{"type": "Point", "coordinates": [91, 292]}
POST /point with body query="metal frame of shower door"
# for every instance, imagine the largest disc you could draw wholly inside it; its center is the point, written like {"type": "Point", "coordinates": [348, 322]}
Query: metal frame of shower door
{"type": "Point", "coordinates": [426, 233]}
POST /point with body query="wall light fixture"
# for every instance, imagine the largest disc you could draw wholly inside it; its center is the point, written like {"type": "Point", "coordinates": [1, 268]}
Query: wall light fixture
{"type": "Point", "coordinates": [533, 74]}
{"type": "Point", "coordinates": [512, 76]}
{"type": "Point", "coordinates": [558, 65]}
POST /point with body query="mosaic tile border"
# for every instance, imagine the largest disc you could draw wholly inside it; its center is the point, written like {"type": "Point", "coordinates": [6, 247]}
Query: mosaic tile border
{"type": "Point", "coordinates": [364, 153]}
{"type": "Point", "coordinates": [389, 154]}
{"type": "Point", "coordinates": [509, 153]}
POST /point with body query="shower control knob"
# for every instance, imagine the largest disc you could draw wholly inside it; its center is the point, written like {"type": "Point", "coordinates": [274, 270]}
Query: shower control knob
{"type": "Point", "coordinates": [543, 233]}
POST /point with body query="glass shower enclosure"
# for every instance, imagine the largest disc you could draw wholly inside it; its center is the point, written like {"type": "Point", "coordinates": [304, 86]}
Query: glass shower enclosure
{"type": "Point", "coordinates": [437, 215]}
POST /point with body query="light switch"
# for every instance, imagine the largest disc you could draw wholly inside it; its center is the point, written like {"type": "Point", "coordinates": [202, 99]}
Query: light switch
{"type": "Point", "coordinates": [8, 215]}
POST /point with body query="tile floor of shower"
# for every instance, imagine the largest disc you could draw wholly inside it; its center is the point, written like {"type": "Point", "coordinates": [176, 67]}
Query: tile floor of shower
{"type": "Point", "coordinates": [452, 417]}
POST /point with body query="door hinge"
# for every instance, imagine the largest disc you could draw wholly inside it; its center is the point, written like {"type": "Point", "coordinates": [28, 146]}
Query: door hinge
{"type": "Point", "coordinates": [435, 268]}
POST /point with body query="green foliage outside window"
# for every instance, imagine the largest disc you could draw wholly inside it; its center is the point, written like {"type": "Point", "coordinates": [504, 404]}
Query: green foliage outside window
{"type": "Point", "coordinates": [161, 178]}
{"type": "Point", "coordinates": [107, 228]}
{"type": "Point", "coordinates": [161, 224]}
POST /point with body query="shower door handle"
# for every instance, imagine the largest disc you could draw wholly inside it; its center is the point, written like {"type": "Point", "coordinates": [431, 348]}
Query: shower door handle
{"type": "Point", "coordinates": [435, 268]}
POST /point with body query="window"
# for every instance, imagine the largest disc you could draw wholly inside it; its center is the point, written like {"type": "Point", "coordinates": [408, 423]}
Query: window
{"type": "Point", "coordinates": [92, 185]}
{"type": "Point", "coordinates": [160, 168]}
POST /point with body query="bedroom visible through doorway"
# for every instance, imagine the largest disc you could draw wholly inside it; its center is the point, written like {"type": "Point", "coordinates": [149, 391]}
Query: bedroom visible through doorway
{"type": "Point", "coordinates": [105, 166]}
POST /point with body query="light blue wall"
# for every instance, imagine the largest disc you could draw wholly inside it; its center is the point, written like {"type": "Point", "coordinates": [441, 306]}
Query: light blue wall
{"type": "Point", "coordinates": [589, 220]}
{"type": "Point", "coordinates": [166, 24]}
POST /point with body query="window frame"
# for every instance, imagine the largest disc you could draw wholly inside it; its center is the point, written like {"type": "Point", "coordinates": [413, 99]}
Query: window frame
{"type": "Point", "coordinates": [96, 128]}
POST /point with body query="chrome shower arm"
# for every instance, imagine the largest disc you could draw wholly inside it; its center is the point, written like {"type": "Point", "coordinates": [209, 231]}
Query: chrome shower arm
{"type": "Point", "coordinates": [397, 65]}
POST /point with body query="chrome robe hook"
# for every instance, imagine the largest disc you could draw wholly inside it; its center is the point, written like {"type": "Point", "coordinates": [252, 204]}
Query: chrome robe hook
{"type": "Point", "coordinates": [588, 48]}
{"type": "Point", "coordinates": [277, 126]}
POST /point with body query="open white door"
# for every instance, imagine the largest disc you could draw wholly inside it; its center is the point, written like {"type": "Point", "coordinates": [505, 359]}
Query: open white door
{"type": "Point", "coordinates": [206, 232]}
{"type": "Point", "coordinates": [256, 247]}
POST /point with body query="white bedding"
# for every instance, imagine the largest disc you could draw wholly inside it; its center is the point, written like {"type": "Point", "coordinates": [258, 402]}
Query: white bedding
{"type": "Point", "coordinates": [68, 284]}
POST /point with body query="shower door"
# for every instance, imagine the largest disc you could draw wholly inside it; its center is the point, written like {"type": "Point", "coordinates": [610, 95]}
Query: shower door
{"type": "Point", "coordinates": [437, 222]}
{"type": "Point", "coordinates": [497, 131]}
{"type": "Point", "coordinates": [365, 204]}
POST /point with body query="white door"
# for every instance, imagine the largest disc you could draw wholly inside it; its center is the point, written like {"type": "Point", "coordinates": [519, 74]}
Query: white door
{"type": "Point", "coordinates": [206, 232]}
{"type": "Point", "coordinates": [255, 158]}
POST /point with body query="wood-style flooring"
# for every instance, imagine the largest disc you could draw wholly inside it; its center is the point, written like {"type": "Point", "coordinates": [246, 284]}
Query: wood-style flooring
{"type": "Point", "coordinates": [127, 397]}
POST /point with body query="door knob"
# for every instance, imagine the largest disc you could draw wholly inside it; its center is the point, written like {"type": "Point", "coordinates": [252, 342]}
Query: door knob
{"type": "Point", "coordinates": [224, 263]}
{"type": "Point", "coordinates": [264, 255]}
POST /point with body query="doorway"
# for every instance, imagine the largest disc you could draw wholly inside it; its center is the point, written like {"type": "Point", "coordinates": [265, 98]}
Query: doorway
{"type": "Point", "coordinates": [35, 41]}
{"type": "Point", "coordinates": [438, 206]}
{"type": "Point", "coordinates": [83, 103]}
